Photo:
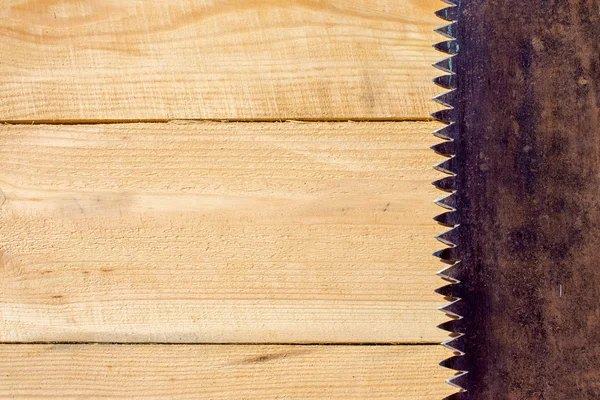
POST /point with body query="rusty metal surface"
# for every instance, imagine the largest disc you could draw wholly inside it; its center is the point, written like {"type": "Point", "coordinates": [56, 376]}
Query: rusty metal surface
{"type": "Point", "coordinates": [528, 198]}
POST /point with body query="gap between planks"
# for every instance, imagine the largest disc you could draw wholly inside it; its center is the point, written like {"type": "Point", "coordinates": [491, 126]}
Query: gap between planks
{"type": "Point", "coordinates": [219, 344]}
{"type": "Point", "coordinates": [189, 120]}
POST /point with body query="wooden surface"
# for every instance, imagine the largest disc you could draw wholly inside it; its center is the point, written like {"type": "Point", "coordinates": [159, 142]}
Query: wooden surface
{"type": "Point", "coordinates": [222, 372]}
{"type": "Point", "coordinates": [219, 232]}
{"type": "Point", "coordinates": [176, 235]}
{"type": "Point", "coordinates": [189, 59]}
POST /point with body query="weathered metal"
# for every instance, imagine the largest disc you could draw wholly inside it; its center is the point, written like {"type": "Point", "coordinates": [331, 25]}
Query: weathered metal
{"type": "Point", "coordinates": [527, 158]}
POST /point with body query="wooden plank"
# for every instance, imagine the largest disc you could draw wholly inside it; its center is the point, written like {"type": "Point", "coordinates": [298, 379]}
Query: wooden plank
{"type": "Point", "coordinates": [226, 59]}
{"type": "Point", "coordinates": [222, 372]}
{"type": "Point", "coordinates": [219, 232]}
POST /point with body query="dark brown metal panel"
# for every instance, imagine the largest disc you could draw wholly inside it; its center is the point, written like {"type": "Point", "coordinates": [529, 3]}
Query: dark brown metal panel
{"type": "Point", "coordinates": [528, 198]}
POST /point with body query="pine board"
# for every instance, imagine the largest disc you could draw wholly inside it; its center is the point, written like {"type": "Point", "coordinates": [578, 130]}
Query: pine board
{"type": "Point", "coordinates": [222, 372]}
{"type": "Point", "coordinates": [116, 60]}
{"type": "Point", "coordinates": [219, 233]}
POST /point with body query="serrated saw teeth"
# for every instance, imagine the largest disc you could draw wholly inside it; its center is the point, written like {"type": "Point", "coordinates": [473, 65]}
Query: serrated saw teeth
{"type": "Point", "coordinates": [449, 255]}
{"type": "Point", "coordinates": [448, 47]}
{"type": "Point", "coordinates": [447, 291]}
{"type": "Point", "coordinates": [457, 344]}
{"type": "Point", "coordinates": [450, 276]}
{"type": "Point", "coordinates": [451, 291]}
{"type": "Point", "coordinates": [447, 184]}
{"type": "Point", "coordinates": [447, 115]}
{"type": "Point", "coordinates": [447, 64]}
{"type": "Point", "coordinates": [458, 381]}
{"type": "Point", "coordinates": [448, 13]}
{"type": "Point", "coordinates": [449, 132]}
{"type": "Point", "coordinates": [444, 148]}
{"type": "Point", "coordinates": [450, 273]}
{"type": "Point", "coordinates": [455, 308]}
{"type": "Point", "coordinates": [448, 30]}
{"type": "Point", "coordinates": [454, 325]}
{"type": "Point", "coordinates": [447, 166]}
{"type": "Point", "coordinates": [456, 362]}
{"type": "Point", "coordinates": [451, 237]}
{"type": "Point", "coordinates": [446, 99]}
{"type": "Point", "coordinates": [449, 219]}
{"type": "Point", "coordinates": [448, 202]}
{"type": "Point", "coordinates": [446, 81]}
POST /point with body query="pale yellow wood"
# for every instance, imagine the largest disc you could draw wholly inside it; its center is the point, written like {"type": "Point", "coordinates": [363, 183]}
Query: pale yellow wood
{"type": "Point", "coordinates": [219, 232]}
{"type": "Point", "coordinates": [222, 372]}
{"type": "Point", "coordinates": [217, 59]}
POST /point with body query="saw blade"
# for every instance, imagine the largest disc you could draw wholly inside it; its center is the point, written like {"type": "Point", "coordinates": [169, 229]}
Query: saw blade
{"type": "Point", "coordinates": [450, 133]}
{"type": "Point", "coordinates": [522, 137]}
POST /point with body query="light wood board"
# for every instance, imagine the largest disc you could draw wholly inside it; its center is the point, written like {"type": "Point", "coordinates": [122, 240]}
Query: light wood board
{"type": "Point", "coordinates": [81, 60]}
{"type": "Point", "coordinates": [222, 372]}
{"type": "Point", "coordinates": [219, 232]}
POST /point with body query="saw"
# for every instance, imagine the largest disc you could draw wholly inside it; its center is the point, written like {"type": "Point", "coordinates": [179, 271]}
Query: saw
{"type": "Point", "coordinates": [523, 205]}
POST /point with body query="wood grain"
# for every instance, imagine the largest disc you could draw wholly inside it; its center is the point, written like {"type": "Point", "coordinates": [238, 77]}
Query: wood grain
{"type": "Point", "coordinates": [218, 232]}
{"type": "Point", "coordinates": [75, 60]}
{"type": "Point", "coordinates": [222, 372]}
